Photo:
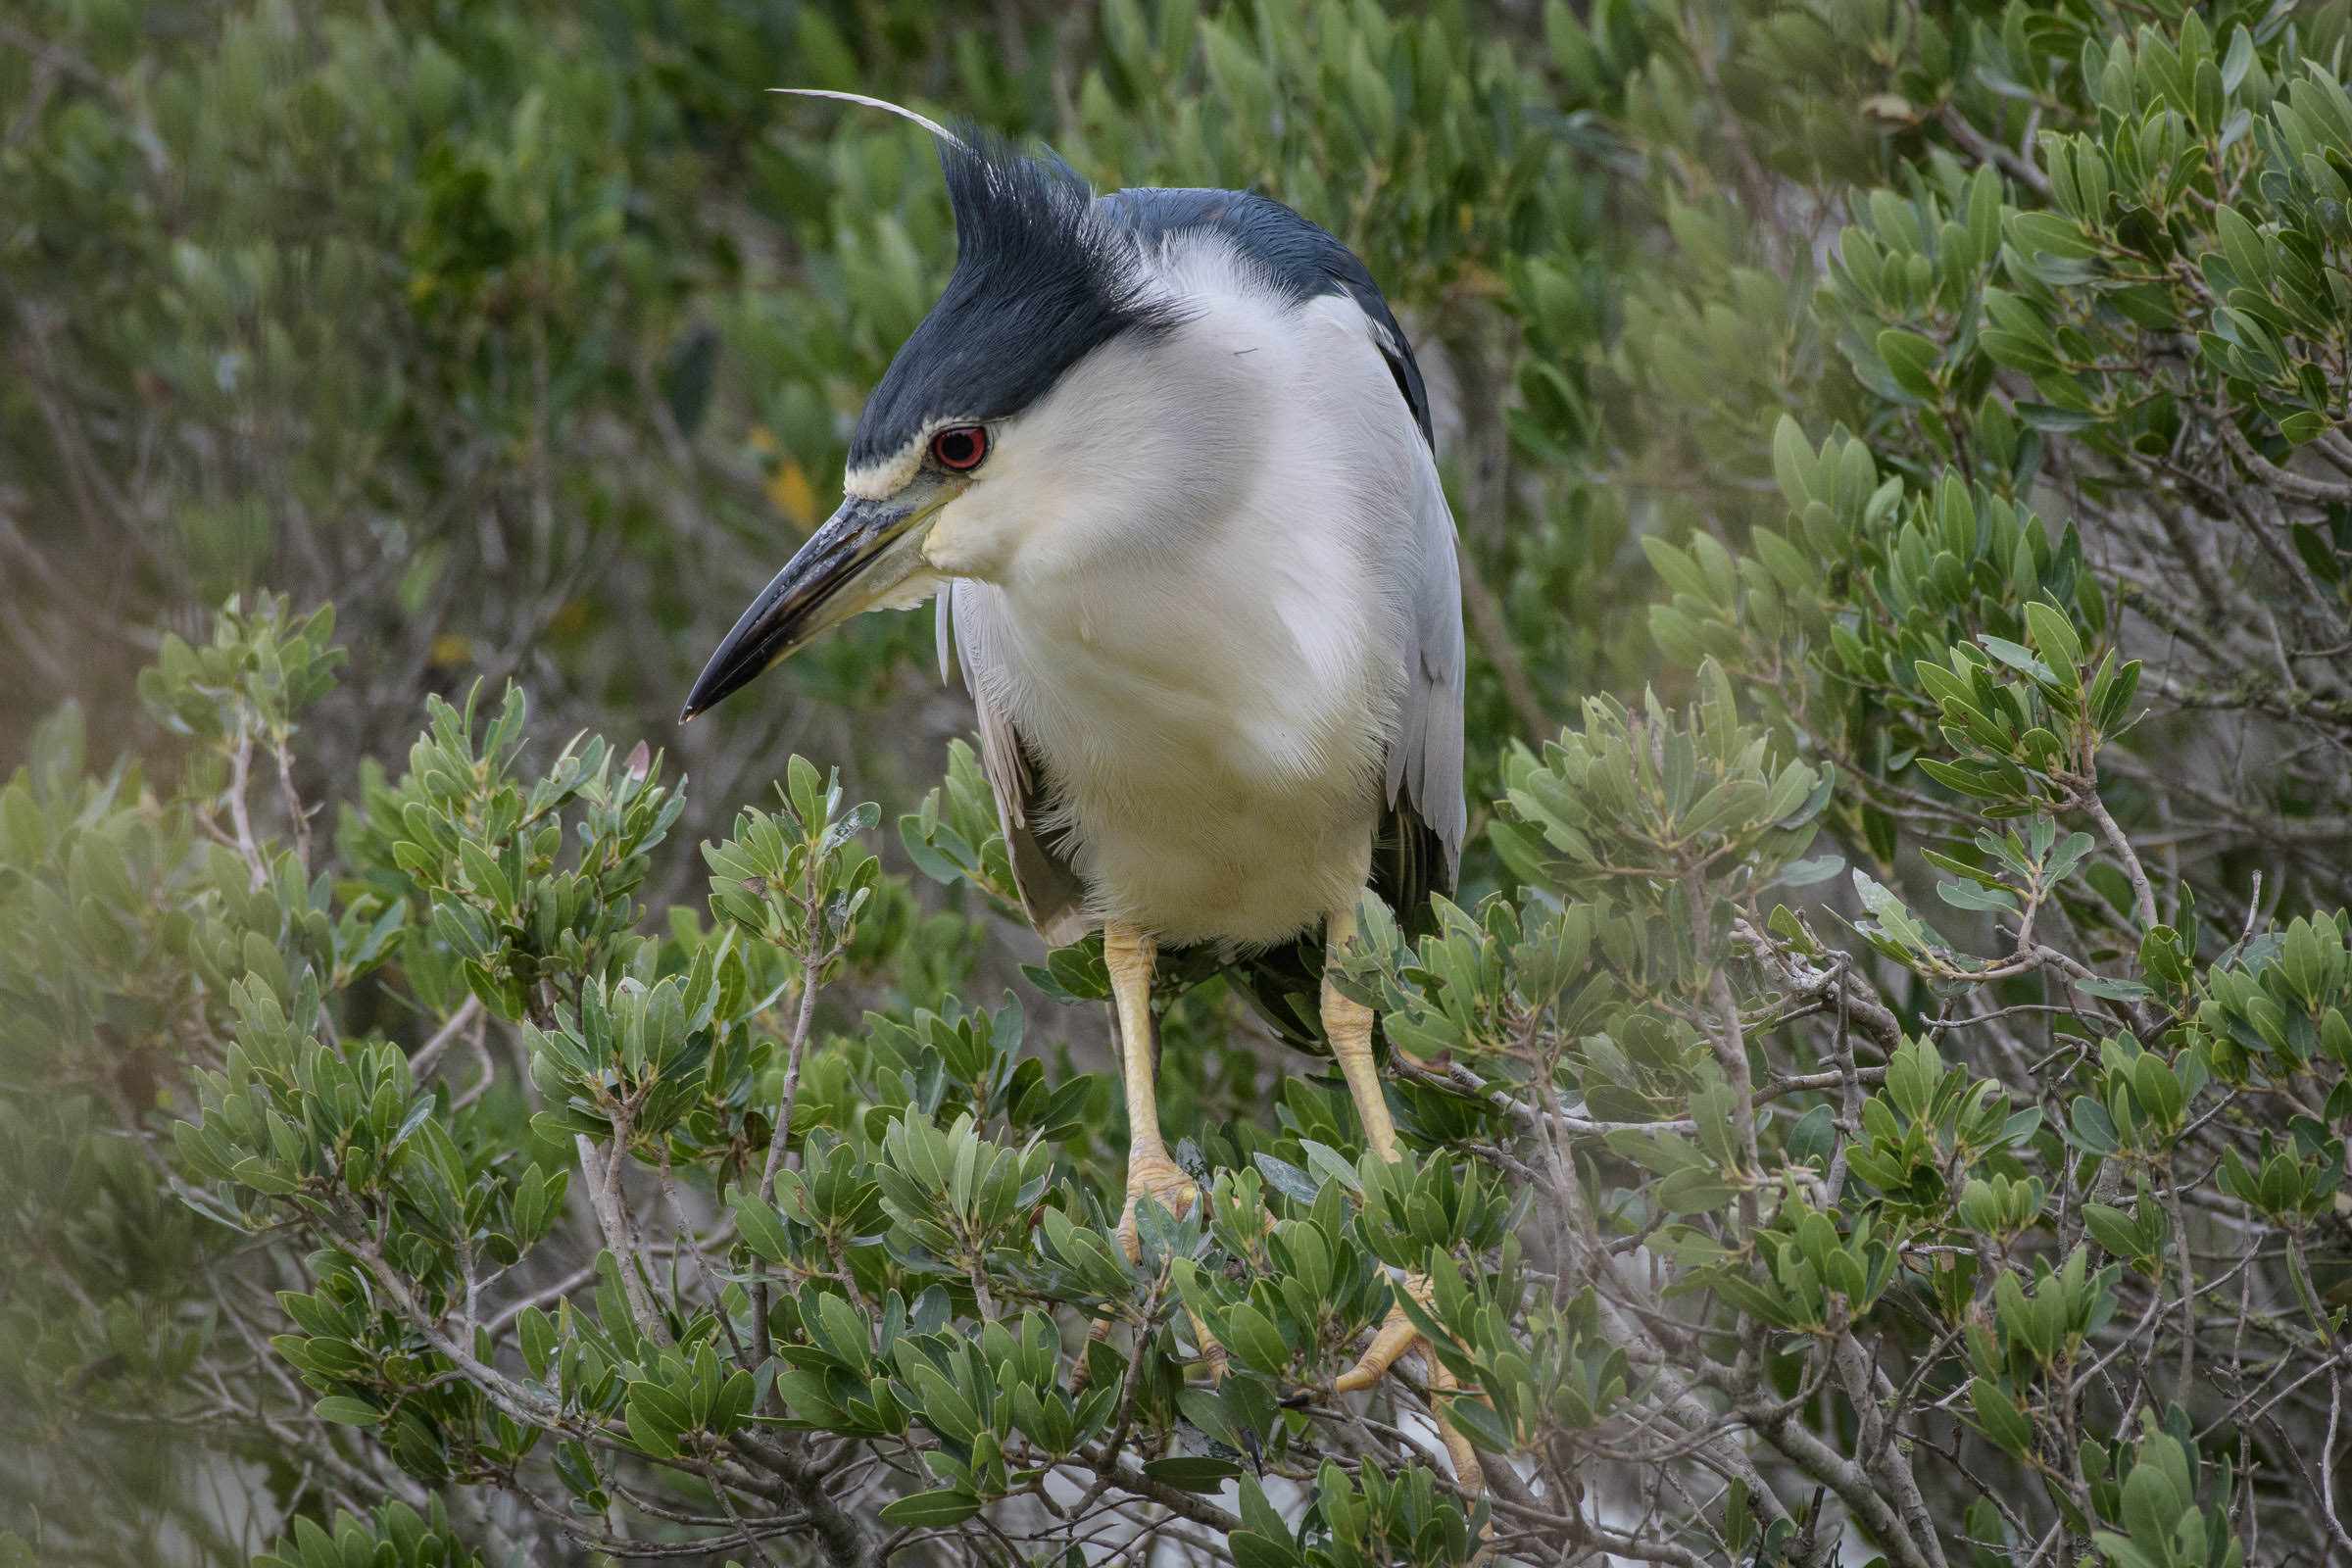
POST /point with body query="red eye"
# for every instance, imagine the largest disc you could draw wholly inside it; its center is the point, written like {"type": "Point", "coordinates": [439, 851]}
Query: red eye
{"type": "Point", "coordinates": [961, 449]}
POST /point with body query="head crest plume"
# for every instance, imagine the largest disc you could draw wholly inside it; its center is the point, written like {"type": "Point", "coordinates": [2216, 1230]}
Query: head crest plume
{"type": "Point", "coordinates": [904, 113]}
{"type": "Point", "coordinates": [1040, 281]}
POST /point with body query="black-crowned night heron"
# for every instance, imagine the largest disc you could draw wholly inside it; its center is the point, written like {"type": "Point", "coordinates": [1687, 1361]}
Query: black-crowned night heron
{"type": "Point", "coordinates": [1164, 458]}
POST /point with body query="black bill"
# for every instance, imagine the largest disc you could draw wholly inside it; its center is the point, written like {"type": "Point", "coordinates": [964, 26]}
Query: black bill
{"type": "Point", "coordinates": [857, 561]}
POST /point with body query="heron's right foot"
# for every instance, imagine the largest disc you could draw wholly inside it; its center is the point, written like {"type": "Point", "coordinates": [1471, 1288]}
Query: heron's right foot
{"type": "Point", "coordinates": [1395, 1338]}
{"type": "Point", "coordinates": [1158, 1177]}
{"type": "Point", "coordinates": [1161, 1179]}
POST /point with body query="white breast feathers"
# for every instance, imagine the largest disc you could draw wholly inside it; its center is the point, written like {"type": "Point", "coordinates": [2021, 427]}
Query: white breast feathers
{"type": "Point", "coordinates": [1190, 602]}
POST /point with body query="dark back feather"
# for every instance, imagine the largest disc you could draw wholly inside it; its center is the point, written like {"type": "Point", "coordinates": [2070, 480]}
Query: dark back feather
{"type": "Point", "coordinates": [1301, 257]}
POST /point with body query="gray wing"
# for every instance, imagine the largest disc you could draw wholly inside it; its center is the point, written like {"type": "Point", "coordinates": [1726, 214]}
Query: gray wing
{"type": "Point", "coordinates": [1051, 894]}
{"type": "Point", "coordinates": [1421, 842]}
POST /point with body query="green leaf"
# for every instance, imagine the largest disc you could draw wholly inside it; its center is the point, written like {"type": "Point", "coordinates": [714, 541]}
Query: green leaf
{"type": "Point", "coordinates": [1251, 1549]}
{"type": "Point", "coordinates": [537, 1332]}
{"type": "Point", "coordinates": [1911, 361]}
{"type": "Point", "coordinates": [761, 1229]}
{"type": "Point", "coordinates": [1288, 1179]}
{"type": "Point", "coordinates": [347, 1411]}
{"type": "Point", "coordinates": [1480, 1424]}
{"type": "Point", "coordinates": [2318, 551]}
{"type": "Point", "coordinates": [2113, 990]}
{"type": "Point", "coordinates": [2054, 420]}
{"type": "Point", "coordinates": [2046, 233]}
{"type": "Point", "coordinates": [1204, 1408]}
{"type": "Point", "coordinates": [2114, 1230]}
{"type": "Point", "coordinates": [1254, 1342]}
{"type": "Point", "coordinates": [1968, 896]}
{"type": "Point", "coordinates": [1693, 1192]}
{"type": "Point", "coordinates": [653, 1422]}
{"type": "Point", "coordinates": [2055, 640]}
{"type": "Point", "coordinates": [1192, 1472]}
{"type": "Point", "coordinates": [931, 1510]}
{"type": "Point", "coordinates": [945, 1410]}
{"type": "Point", "coordinates": [1811, 1140]}
{"type": "Point", "coordinates": [2094, 1128]}
{"type": "Point", "coordinates": [2003, 1422]}
{"type": "Point", "coordinates": [1327, 1164]}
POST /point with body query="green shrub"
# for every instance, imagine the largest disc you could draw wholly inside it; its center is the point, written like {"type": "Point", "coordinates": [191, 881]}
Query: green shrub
{"type": "Point", "coordinates": [1972, 384]}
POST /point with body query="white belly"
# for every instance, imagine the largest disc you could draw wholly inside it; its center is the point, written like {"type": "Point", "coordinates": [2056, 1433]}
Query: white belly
{"type": "Point", "coordinates": [1213, 751]}
{"type": "Point", "coordinates": [1201, 855]}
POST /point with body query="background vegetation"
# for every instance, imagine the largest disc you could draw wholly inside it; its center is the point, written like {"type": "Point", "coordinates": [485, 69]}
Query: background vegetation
{"type": "Point", "coordinates": [1881, 1096]}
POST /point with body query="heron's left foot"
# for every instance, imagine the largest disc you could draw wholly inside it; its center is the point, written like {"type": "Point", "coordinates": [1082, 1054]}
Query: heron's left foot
{"type": "Point", "coordinates": [1395, 1338]}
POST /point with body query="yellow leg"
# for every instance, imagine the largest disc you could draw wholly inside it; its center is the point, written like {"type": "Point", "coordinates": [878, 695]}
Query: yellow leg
{"type": "Point", "coordinates": [1349, 1025]}
{"type": "Point", "coordinates": [1128, 951]}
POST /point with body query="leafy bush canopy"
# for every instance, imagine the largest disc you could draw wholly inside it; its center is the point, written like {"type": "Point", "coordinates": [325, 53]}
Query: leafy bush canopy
{"type": "Point", "coordinates": [1880, 1094]}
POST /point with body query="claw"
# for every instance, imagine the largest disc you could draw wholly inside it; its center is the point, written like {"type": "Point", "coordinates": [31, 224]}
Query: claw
{"type": "Point", "coordinates": [1213, 1355]}
{"type": "Point", "coordinates": [1083, 1373]}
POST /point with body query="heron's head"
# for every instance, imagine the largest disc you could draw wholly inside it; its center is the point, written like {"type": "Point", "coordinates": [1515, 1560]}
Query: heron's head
{"type": "Point", "coordinates": [1040, 284]}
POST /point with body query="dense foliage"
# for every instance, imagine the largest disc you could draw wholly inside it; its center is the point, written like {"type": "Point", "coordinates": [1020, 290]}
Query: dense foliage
{"type": "Point", "coordinates": [1908, 444]}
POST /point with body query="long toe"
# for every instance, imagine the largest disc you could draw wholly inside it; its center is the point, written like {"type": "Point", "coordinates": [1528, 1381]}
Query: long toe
{"type": "Point", "coordinates": [1396, 1336]}
{"type": "Point", "coordinates": [1162, 1179]}
{"type": "Point", "coordinates": [1083, 1373]}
